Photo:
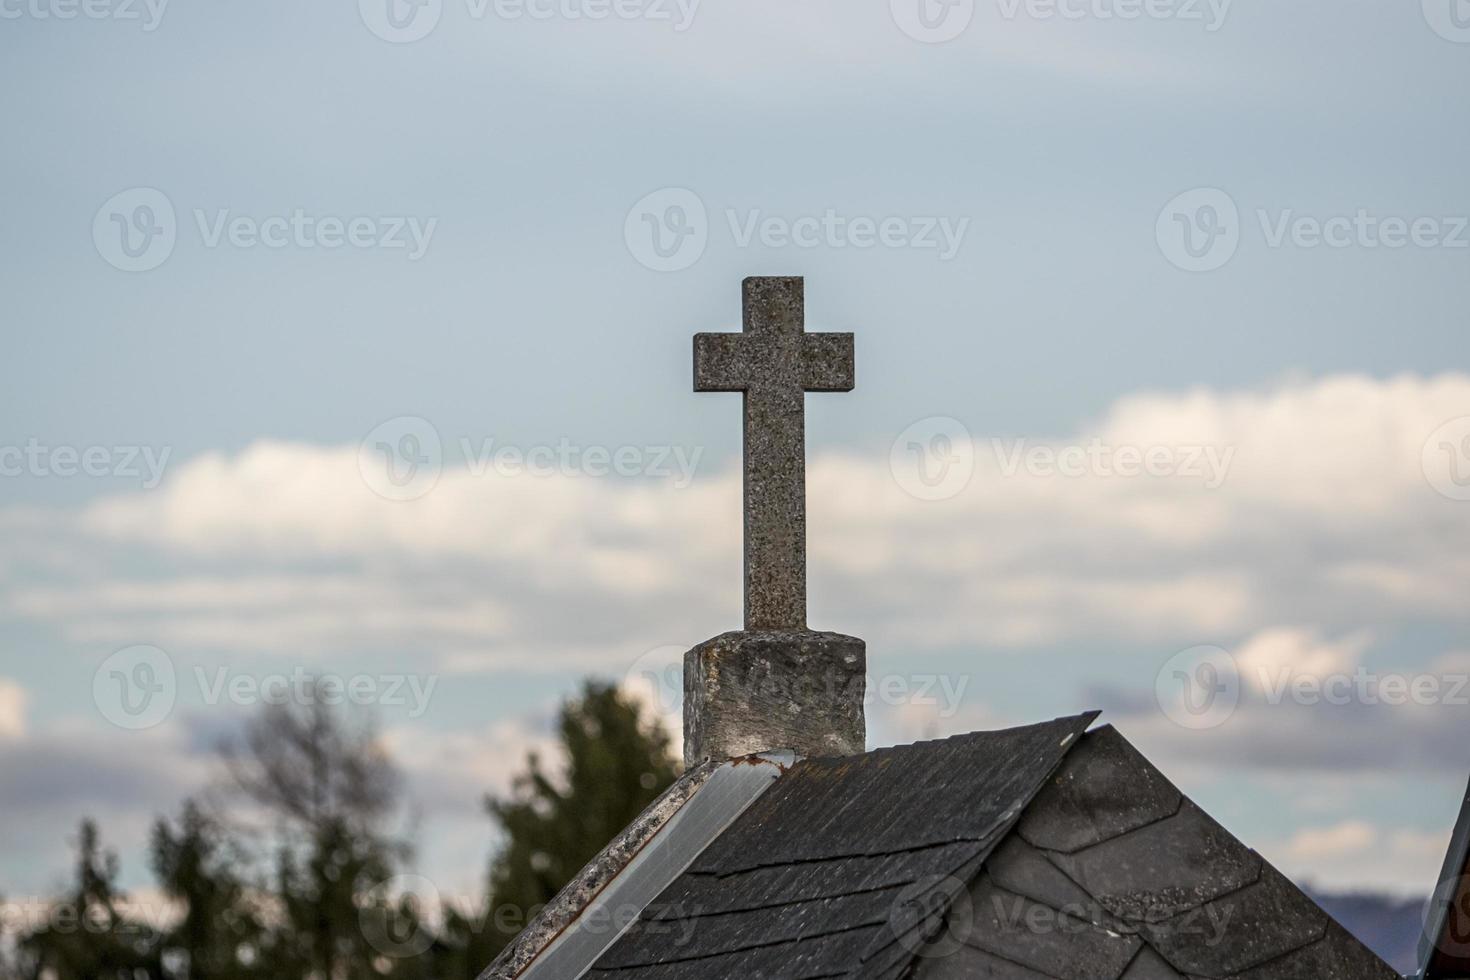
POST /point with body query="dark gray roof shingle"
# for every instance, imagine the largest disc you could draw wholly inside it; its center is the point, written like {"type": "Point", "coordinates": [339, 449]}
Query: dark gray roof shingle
{"type": "Point", "coordinates": [1037, 853]}
{"type": "Point", "coordinates": [845, 865]}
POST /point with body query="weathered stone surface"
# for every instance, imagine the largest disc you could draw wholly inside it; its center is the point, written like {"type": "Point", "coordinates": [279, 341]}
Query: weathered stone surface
{"type": "Point", "coordinates": [774, 363]}
{"type": "Point", "coordinates": [751, 691]}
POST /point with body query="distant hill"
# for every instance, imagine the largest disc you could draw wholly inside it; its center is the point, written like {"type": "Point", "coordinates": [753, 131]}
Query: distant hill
{"type": "Point", "coordinates": [1389, 926]}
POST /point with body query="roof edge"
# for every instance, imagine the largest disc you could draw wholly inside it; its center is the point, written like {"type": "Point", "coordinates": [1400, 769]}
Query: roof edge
{"type": "Point", "coordinates": [607, 872]}
{"type": "Point", "coordinates": [1448, 888]}
{"type": "Point", "coordinates": [575, 896]}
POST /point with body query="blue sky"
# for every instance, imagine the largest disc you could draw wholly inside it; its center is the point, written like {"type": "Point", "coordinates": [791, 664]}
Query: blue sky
{"type": "Point", "coordinates": [1067, 147]}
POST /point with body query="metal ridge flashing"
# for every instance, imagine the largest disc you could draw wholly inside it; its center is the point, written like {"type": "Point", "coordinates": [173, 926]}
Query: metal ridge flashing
{"type": "Point", "coordinates": [606, 897]}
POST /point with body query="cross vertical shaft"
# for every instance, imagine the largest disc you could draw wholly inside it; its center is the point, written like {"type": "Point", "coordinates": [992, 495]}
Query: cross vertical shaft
{"type": "Point", "coordinates": [773, 362]}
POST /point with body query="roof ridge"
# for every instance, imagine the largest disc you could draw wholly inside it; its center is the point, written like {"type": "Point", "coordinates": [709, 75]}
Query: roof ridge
{"type": "Point", "coordinates": [882, 750]}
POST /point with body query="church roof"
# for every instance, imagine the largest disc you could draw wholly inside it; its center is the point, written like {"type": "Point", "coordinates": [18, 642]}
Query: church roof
{"type": "Point", "coordinates": [1038, 852]}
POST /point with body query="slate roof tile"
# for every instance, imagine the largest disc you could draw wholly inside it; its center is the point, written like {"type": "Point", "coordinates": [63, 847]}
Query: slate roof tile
{"type": "Point", "coordinates": [759, 887]}
{"type": "Point", "coordinates": [971, 786]}
{"type": "Point", "coordinates": [969, 963]}
{"type": "Point", "coordinates": [1260, 922]}
{"type": "Point", "coordinates": [1081, 807]}
{"type": "Point", "coordinates": [1021, 869]}
{"type": "Point", "coordinates": [661, 940]}
{"type": "Point", "coordinates": [1163, 868]}
{"type": "Point", "coordinates": [833, 837]}
{"type": "Point", "coordinates": [1149, 965]}
{"type": "Point", "coordinates": [1336, 956]}
{"type": "Point", "coordinates": [937, 861]}
{"type": "Point", "coordinates": [1043, 939]}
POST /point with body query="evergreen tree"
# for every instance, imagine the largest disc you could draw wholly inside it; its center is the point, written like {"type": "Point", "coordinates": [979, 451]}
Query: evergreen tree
{"type": "Point", "coordinates": [85, 936]}
{"type": "Point", "coordinates": [615, 765]}
{"type": "Point", "coordinates": [329, 789]}
{"type": "Point", "coordinates": [219, 935]}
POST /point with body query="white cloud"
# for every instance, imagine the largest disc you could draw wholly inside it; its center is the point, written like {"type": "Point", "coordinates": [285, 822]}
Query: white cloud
{"type": "Point", "coordinates": [1295, 652]}
{"type": "Point", "coordinates": [1306, 702]}
{"type": "Point", "coordinates": [12, 709]}
{"type": "Point", "coordinates": [1355, 854]}
{"type": "Point", "coordinates": [1340, 840]}
{"type": "Point", "coordinates": [1323, 517]}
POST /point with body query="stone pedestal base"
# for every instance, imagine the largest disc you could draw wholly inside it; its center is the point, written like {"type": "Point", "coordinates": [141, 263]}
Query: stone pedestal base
{"type": "Point", "coordinates": [750, 691]}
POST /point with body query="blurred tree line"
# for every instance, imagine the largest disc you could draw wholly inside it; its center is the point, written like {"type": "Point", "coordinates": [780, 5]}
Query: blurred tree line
{"type": "Point", "coordinates": [324, 891]}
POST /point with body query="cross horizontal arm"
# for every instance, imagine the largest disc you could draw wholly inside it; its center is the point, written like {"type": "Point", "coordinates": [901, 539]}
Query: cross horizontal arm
{"type": "Point", "coordinates": [827, 362]}
{"type": "Point", "coordinates": [718, 365]}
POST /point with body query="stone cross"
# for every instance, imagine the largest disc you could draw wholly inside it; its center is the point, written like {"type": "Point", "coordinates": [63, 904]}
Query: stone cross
{"type": "Point", "coordinates": [774, 362]}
